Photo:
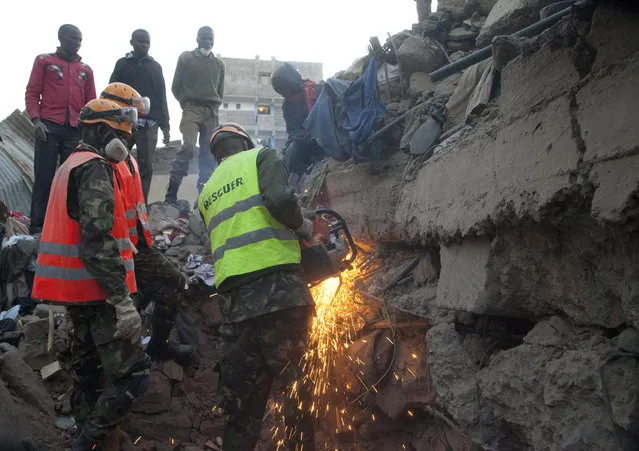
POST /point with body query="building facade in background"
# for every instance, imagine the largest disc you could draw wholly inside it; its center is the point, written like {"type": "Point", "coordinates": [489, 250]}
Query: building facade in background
{"type": "Point", "coordinates": [250, 100]}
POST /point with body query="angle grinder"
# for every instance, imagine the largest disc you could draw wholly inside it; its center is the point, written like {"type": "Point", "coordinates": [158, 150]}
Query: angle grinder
{"type": "Point", "coordinates": [328, 259]}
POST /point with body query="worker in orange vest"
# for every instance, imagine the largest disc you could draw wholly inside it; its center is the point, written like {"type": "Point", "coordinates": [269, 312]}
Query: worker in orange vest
{"type": "Point", "coordinates": [157, 278]}
{"type": "Point", "coordinates": [86, 262]}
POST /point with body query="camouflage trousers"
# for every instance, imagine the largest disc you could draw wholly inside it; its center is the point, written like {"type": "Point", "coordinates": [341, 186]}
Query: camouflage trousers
{"type": "Point", "coordinates": [109, 373]}
{"type": "Point", "coordinates": [256, 352]}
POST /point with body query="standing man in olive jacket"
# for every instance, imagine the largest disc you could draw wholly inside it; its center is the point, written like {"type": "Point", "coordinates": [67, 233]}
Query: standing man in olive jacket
{"type": "Point", "coordinates": [198, 85]}
{"type": "Point", "coordinates": [140, 71]}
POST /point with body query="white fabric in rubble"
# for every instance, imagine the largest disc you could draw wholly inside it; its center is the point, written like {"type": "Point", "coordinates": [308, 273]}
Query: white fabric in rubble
{"type": "Point", "coordinates": [206, 273]}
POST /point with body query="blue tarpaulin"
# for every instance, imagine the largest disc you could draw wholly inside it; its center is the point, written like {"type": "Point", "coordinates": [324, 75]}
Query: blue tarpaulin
{"type": "Point", "coordinates": [344, 115]}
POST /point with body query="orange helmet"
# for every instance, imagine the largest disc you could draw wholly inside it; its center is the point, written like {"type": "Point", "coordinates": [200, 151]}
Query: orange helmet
{"type": "Point", "coordinates": [110, 113]}
{"type": "Point", "coordinates": [125, 96]}
{"type": "Point", "coordinates": [227, 130]}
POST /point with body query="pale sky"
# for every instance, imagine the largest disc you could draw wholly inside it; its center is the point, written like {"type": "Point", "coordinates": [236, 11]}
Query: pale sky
{"type": "Point", "coordinates": [334, 32]}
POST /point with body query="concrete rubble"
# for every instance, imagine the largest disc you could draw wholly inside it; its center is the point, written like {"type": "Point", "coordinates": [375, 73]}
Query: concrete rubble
{"type": "Point", "coordinates": [505, 253]}
{"type": "Point", "coordinates": [525, 215]}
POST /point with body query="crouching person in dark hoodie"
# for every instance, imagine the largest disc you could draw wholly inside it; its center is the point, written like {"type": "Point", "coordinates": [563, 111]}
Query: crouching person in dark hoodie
{"type": "Point", "coordinates": [301, 150]}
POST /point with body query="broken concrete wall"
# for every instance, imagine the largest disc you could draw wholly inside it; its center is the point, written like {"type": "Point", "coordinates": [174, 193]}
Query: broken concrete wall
{"type": "Point", "coordinates": [534, 213]}
{"type": "Point", "coordinates": [551, 163]}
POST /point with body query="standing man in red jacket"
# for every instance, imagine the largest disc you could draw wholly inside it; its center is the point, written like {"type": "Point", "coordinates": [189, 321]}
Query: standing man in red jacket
{"type": "Point", "coordinates": [59, 86]}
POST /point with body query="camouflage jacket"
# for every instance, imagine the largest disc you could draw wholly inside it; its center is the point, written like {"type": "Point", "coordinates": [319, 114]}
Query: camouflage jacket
{"type": "Point", "coordinates": [274, 292]}
{"type": "Point", "coordinates": [90, 201]}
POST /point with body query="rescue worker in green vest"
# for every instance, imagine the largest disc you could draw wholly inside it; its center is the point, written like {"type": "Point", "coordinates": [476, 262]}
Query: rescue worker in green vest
{"type": "Point", "coordinates": [255, 222]}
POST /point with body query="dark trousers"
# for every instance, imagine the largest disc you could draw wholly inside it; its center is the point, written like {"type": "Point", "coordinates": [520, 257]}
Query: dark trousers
{"type": "Point", "coordinates": [146, 140]}
{"type": "Point", "coordinates": [196, 119]}
{"type": "Point", "coordinates": [299, 155]}
{"type": "Point", "coordinates": [109, 373]}
{"type": "Point", "coordinates": [61, 142]}
{"type": "Point", "coordinates": [159, 280]}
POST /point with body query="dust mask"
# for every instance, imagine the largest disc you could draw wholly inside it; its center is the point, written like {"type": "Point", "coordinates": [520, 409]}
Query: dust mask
{"type": "Point", "coordinates": [116, 150]}
{"type": "Point", "coordinates": [205, 52]}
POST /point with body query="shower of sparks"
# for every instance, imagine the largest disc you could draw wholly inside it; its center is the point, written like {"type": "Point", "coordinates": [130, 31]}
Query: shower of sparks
{"type": "Point", "coordinates": [334, 329]}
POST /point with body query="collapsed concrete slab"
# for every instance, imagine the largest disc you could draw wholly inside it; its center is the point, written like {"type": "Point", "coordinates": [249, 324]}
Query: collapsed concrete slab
{"type": "Point", "coordinates": [418, 54]}
{"type": "Point", "coordinates": [509, 16]}
{"type": "Point", "coordinates": [503, 172]}
{"type": "Point", "coordinates": [556, 371]}
{"type": "Point", "coordinates": [366, 196]}
{"type": "Point", "coordinates": [533, 212]}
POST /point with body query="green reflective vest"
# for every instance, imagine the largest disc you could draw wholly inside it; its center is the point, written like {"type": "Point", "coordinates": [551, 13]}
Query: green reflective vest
{"type": "Point", "coordinates": [244, 236]}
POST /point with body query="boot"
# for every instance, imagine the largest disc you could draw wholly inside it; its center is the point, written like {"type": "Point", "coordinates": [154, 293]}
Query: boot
{"type": "Point", "coordinates": [172, 191]}
{"type": "Point", "coordinates": [160, 348]}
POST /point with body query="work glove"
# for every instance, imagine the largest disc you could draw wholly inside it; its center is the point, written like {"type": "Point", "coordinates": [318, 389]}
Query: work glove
{"type": "Point", "coordinates": [41, 130]}
{"type": "Point", "coordinates": [306, 230]}
{"type": "Point", "coordinates": [129, 323]}
{"type": "Point", "coordinates": [166, 135]}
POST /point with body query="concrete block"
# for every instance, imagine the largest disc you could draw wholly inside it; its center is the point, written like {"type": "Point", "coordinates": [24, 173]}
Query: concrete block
{"type": "Point", "coordinates": [34, 345]}
{"type": "Point", "coordinates": [24, 383]}
{"type": "Point", "coordinates": [417, 54]}
{"type": "Point", "coordinates": [455, 7]}
{"type": "Point", "coordinates": [49, 370]}
{"type": "Point", "coordinates": [464, 276]}
{"type": "Point", "coordinates": [374, 185]}
{"type": "Point", "coordinates": [158, 398]}
{"type": "Point", "coordinates": [420, 84]}
{"type": "Point", "coordinates": [607, 113]}
{"type": "Point", "coordinates": [509, 16]}
{"type": "Point", "coordinates": [613, 33]}
{"type": "Point", "coordinates": [500, 172]}
{"type": "Point", "coordinates": [537, 78]}
{"type": "Point", "coordinates": [617, 185]}
{"type": "Point", "coordinates": [173, 370]}
{"type": "Point", "coordinates": [526, 272]}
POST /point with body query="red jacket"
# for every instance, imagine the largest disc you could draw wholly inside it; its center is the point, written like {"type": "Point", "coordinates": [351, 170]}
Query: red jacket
{"type": "Point", "coordinates": [57, 85]}
{"type": "Point", "coordinates": [61, 275]}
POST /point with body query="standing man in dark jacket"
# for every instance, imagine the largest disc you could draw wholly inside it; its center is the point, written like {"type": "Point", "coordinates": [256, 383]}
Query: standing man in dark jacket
{"type": "Point", "coordinates": [59, 86]}
{"type": "Point", "coordinates": [198, 85]}
{"type": "Point", "coordinates": [301, 151]}
{"type": "Point", "coordinates": [139, 70]}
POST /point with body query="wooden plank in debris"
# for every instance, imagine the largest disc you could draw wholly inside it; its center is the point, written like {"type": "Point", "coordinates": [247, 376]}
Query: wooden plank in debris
{"type": "Point", "coordinates": [51, 331]}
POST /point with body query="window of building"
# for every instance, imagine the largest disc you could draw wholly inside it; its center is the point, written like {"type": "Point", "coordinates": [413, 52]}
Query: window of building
{"type": "Point", "coordinates": [226, 106]}
{"type": "Point", "coordinates": [264, 78]}
{"type": "Point", "coordinates": [263, 109]}
{"type": "Point", "coordinates": [238, 106]}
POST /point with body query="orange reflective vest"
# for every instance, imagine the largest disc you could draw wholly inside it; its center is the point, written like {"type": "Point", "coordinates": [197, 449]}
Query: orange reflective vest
{"type": "Point", "coordinates": [61, 275]}
{"type": "Point", "coordinates": [134, 206]}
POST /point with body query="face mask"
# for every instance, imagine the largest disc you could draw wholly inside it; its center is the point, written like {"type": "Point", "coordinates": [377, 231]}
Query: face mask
{"type": "Point", "coordinates": [116, 150]}
{"type": "Point", "coordinates": [205, 52]}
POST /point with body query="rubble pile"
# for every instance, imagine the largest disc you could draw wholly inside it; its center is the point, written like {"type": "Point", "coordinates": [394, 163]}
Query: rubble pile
{"type": "Point", "coordinates": [180, 233]}
{"type": "Point", "coordinates": [522, 216]}
{"type": "Point", "coordinates": [497, 294]}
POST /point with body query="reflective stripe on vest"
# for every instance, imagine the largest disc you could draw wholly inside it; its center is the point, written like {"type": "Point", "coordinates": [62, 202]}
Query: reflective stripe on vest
{"type": "Point", "coordinates": [245, 238]}
{"type": "Point", "coordinates": [61, 275]}
{"type": "Point", "coordinates": [135, 209]}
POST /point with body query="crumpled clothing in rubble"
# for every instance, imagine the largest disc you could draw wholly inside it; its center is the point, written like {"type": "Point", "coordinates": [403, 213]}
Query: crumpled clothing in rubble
{"type": "Point", "coordinates": [15, 258]}
{"type": "Point", "coordinates": [206, 273]}
{"type": "Point", "coordinates": [344, 116]}
{"type": "Point", "coordinates": [193, 261]}
{"type": "Point", "coordinates": [15, 226]}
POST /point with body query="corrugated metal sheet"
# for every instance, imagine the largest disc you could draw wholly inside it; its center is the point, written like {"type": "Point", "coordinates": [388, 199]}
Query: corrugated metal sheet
{"type": "Point", "coordinates": [16, 161]}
